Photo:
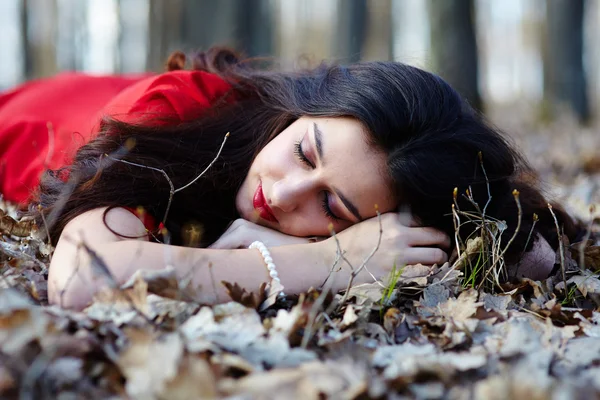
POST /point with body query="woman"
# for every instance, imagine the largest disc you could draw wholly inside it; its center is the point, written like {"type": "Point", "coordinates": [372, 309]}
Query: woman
{"type": "Point", "coordinates": [307, 152]}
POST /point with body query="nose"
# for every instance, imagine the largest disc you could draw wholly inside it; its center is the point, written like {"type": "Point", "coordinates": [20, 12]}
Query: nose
{"type": "Point", "coordinates": [291, 191]}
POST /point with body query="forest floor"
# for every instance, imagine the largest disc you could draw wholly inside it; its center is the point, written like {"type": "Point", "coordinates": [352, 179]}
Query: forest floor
{"type": "Point", "coordinates": [426, 333]}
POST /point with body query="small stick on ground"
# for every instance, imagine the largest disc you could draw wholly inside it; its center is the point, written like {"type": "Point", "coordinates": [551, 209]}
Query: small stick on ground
{"type": "Point", "coordinates": [561, 248]}
{"type": "Point", "coordinates": [46, 230]}
{"type": "Point", "coordinates": [364, 263]}
{"type": "Point", "coordinates": [515, 233]}
{"type": "Point", "coordinates": [586, 237]}
{"type": "Point", "coordinates": [535, 220]}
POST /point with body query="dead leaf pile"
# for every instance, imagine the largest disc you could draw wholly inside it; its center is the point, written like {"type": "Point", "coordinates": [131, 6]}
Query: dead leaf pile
{"type": "Point", "coordinates": [428, 337]}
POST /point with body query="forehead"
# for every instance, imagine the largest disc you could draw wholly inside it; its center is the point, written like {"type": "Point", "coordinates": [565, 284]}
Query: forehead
{"type": "Point", "coordinates": [353, 166]}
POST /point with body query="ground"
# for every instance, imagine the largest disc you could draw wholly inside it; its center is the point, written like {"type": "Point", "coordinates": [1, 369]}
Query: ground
{"type": "Point", "coordinates": [424, 333]}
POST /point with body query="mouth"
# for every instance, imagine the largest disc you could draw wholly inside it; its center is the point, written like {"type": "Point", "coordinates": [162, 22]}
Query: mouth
{"type": "Point", "coordinates": [260, 205]}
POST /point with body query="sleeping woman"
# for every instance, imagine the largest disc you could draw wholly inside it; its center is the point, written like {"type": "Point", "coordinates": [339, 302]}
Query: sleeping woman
{"type": "Point", "coordinates": [189, 168]}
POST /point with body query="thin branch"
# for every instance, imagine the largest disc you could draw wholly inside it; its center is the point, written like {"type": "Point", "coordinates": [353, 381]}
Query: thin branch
{"type": "Point", "coordinates": [487, 182]}
{"type": "Point", "coordinates": [457, 224]}
{"type": "Point", "coordinates": [586, 237]}
{"type": "Point", "coordinates": [208, 167]}
{"type": "Point", "coordinates": [313, 314]}
{"type": "Point", "coordinates": [172, 189]}
{"type": "Point", "coordinates": [515, 233]}
{"type": "Point", "coordinates": [46, 230]}
{"type": "Point", "coordinates": [99, 266]}
{"type": "Point", "coordinates": [364, 263]}
{"type": "Point", "coordinates": [535, 220]}
{"type": "Point", "coordinates": [7, 249]}
{"type": "Point", "coordinates": [561, 247]}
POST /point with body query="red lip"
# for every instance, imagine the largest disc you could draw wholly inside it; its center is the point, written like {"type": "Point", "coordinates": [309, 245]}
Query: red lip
{"type": "Point", "coordinates": [260, 205]}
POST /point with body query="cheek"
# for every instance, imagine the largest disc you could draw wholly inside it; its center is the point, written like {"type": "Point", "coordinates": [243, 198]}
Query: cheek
{"type": "Point", "coordinates": [275, 161]}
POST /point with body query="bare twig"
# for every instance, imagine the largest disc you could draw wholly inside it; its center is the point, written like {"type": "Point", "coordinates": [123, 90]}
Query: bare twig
{"type": "Point", "coordinates": [314, 313]}
{"type": "Point", "coordinates": [46, 230]}
{"type": "Point", "coordinates": [535, 220]}
{"type": "Point", "coordinates": [208, 167]}
{"type": "Point", "coordinates": [456, 221]}
{"type": "Point", "coordinates": [98, 266]}
{"type": "Point", "coordinates": [364, 263]}
{"type": "Point", "coordinates": [340, 252]}
{"type": "Point", "coordinates": [172, 189]}
{"type": "Point", "coordinates": [561, 247]}
{"type": "Point", "coordinates": [487, 183]}
{"type": "Point", "coordinates": [586, 237]}
{"type": "Point", "coordinates": [7, 249]}
{"type": "Point", "coordinates": [510, 241]}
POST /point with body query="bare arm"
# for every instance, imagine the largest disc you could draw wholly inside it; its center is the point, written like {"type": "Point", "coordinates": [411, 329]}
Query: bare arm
{"type": "Point", "coordinates": [73, 280]}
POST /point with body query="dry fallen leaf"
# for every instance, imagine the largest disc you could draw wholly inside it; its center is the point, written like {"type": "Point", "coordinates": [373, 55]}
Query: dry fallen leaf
{"type": "Point", "coordinates": [586, 283]}
{"type": "Point", "coordinates": [417, 274]}
{"type": "Point", "coordinates": [367, 293]}
{"type": "Point", "coordinates": [248, 299]}
{"type": "Point", "coordinates": [350, 316]}
{"type": "Point", "coordinates": [154, 339]}
{"type": "Point", "coordinates": [591, 254]}
{"type": "Point", "coordinates": [147, 378]}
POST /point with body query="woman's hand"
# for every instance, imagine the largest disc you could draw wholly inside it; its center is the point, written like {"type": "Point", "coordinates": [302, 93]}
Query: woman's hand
{"type": "Point", "coordinates": [242, 233]}
{"type": "Point", "coordinates": [401, 244]}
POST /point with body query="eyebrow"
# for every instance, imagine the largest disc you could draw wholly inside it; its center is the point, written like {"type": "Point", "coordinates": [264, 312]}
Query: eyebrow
{"type": "Point", "coordinates": [319, 144]}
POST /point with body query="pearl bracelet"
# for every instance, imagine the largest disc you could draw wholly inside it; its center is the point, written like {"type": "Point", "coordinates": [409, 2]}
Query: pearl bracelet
{"type": "Point", "coordinates": [260, 246]}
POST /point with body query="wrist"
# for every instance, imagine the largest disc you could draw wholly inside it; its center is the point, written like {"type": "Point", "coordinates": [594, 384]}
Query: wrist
{"type": "Point", "coordinates": [336, 266]}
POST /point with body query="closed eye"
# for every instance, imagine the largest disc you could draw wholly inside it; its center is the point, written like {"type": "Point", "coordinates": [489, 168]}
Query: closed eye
{"type": "Point", "coordinates": [327, 210]}
{"type": "Point", "coordinates": [325, 201]}
{"type": "Point", "coordinates": [300, 154]}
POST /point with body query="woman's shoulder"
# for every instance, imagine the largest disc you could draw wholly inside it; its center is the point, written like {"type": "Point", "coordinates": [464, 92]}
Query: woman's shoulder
{"type": "Point", "coordinates": [100, 226]}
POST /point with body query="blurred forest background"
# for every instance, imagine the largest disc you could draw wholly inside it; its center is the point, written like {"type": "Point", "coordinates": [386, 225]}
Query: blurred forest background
{"type": "Point", "coordinates": [538, 55]}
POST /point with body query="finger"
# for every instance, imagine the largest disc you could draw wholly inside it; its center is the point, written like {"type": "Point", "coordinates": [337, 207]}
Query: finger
{"type": "Point", "coordinates": [428, 237]}
{"type": "Point", "coordinates": [425, 255]}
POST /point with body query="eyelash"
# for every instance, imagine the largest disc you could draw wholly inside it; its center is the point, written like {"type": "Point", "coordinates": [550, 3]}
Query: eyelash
{"type": "Point", "coordinates": [300, 154]}
{"type": "Point", "coordinates": [325, 202]}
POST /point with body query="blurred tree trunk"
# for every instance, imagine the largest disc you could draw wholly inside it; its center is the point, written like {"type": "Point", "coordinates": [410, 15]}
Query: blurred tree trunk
{"type": "Point", "coordinates": [351, 30]}
{"type": "Point", "coordinates": [256, 26]}
{"type": "Point", "coordinates": [207, 23]}
{"type": "Point", "coordinates": [164, 31]}
{"type": "Point", "coordinates": [454, 46]}
{"type": "Point", "coordinates": [133, 35]}
{"type": "Point", "coordinates": [26, 49]}
{"type": "Point", "coordinates": [72, 36]}
{"type": "Point", "coordinates": [564, 73]}
{"type": "Point", "coordinates": [38, 27]}
{"type": "Point", "coordinates": [379, 43]}
{"type": "Point", "coordinates": [192, 25]}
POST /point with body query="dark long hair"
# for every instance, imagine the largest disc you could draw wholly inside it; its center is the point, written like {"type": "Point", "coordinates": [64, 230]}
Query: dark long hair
{"type": "Point", "coordinates": [432, 137]}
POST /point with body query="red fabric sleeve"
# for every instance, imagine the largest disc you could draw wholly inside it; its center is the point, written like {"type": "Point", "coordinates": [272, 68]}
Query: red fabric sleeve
{"type": "Point", "coordinates": [177, 96]}
{"type": "Point", "coordinates": [42, 123]}
{"type": "Point", "coordinates": [74, 104]}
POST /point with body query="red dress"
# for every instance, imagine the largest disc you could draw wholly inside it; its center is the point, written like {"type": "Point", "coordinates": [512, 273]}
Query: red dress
{"type": "Point", "coordinates": [43, 122]}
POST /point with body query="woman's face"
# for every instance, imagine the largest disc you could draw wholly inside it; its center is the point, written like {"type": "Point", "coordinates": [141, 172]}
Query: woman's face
{"type": "Point", "coordinates": [316, 172]}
